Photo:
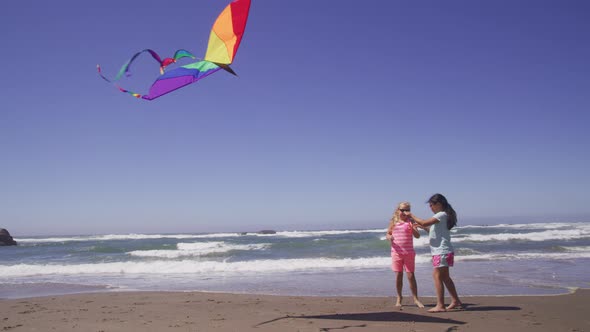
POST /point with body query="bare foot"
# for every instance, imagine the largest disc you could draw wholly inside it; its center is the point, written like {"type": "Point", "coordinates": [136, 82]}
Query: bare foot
{"type": "Point", "coordinates": [455, 306]}
{"type": "Point", "coordinates": [437, 309]}
{"type": "Point", "coordinates": [418, 303]}
{"type": "Point", "coordinates": [398, 303]}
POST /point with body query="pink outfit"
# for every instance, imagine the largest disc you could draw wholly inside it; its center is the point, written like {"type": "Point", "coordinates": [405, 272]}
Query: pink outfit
{"type": "Point", "coordinates": [402, 248]}
{"type": "Point", "coordinates": [403, 241]}
{"type": "Point", "coordinates": [444, 260]}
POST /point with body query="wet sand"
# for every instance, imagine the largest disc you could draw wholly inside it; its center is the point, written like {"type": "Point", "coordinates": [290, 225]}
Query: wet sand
{"type": "Point", "coordinates": [196, 311]}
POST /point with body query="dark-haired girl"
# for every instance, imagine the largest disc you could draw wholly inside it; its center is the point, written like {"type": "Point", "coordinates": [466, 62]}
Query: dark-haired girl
{"type": "Point", "coordinates": [439, 229]}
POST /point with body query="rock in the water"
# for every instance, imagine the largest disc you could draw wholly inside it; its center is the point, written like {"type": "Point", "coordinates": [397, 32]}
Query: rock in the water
{"type": "Point", "coordinates": [6, 239]}
{"type": "Point", "coordinates": [267, 231]}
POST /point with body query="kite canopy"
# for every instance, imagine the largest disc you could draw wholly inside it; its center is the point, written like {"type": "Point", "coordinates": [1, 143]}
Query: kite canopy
{"type": "Point", "coordinates": [227, 33]}
{"type": "Point", "coordinates": [224, 41]}
{"type": "Point", "coordinates": [179, 77]}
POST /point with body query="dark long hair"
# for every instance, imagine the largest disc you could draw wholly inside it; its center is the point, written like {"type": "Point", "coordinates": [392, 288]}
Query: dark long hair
{"type": "Point", "coordinates": [439, 198]}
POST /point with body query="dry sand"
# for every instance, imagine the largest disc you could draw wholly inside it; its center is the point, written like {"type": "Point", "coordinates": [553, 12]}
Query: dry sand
{"type": "Point", "coordinates": [190, 312]}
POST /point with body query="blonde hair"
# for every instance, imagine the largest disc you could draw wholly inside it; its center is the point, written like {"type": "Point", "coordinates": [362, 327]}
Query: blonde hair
{"type": "Point", "coordinates": [395, 218]}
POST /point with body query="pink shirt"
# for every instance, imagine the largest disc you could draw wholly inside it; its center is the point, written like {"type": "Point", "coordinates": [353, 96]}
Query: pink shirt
{"type": "Point", "coordinates": [403, 240]}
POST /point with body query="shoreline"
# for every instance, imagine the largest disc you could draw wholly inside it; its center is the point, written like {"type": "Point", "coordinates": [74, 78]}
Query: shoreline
{"type": "Point", "coordinates": [41, 290]}
{"type": "Point", "coordinates": [208, 311]}
{"type": "Point", "coordinates": [567, 291]}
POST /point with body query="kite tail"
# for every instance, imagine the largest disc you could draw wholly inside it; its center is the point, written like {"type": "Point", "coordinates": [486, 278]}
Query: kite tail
{"type": "Point", "coordinates": [101, 75]}
{"type": "Point", "coordinates": [128, 64]}
{"type": "Point", "coordinates": [182, 53]}
{"type": "Point", "coordinates": [179, 54]}
{"type": "Point", "coordinates": [125, 68]}
{"type": "Point", "coordinates": [136, 95]}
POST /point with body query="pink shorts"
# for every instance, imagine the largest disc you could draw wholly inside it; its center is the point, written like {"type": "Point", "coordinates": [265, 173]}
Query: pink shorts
{"type": "Point", "coordinates": [405, 261]}
{"type": "Point", "coordinates": [445, 260]}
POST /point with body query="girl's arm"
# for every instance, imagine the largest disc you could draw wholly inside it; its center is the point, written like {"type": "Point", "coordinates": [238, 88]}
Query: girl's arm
{"type": "Point", "coordinates": [415, 231]}
{"type": "Point", "coordinates": [425, 222]}
{"type": "Point", "coordinates": [389, 231]}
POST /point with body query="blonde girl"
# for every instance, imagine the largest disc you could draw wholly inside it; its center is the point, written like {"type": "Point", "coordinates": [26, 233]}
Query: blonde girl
{"type": "Point", "coordinates": [401, 233]}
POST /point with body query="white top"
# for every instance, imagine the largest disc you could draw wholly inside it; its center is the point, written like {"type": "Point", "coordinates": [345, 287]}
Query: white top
{"type": "Point", "coordinates": [440, 235]}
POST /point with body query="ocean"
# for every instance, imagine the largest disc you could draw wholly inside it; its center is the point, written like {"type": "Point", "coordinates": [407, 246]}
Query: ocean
{"type": "Point", "coordinates": [504, 259]}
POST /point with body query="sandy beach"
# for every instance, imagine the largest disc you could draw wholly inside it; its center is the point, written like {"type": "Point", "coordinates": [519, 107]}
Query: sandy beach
{"type": "Point", "coordinates": [195, 311]}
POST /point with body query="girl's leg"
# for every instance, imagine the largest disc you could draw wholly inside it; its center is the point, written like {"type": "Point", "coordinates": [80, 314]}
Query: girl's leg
{"type": "Point", "coordinates": [399, 283]}
{"type": "Point", "coordinates": [440, 289]}
{"type": "Point", "coordinates": [455, 302]}
{"type": "Point", "coordinates": [414, 288]}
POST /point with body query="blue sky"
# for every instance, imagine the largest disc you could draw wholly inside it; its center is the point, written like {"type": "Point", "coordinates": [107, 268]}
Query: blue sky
{"type": "Point", "coordinates": [341, 110]}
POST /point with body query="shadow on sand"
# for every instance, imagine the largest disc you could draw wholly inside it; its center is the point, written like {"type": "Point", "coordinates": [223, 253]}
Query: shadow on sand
{"type": "Point", "coordinates": [386, 316]}
{"type": "Point", "coordinates": [475, 307]}
{"type": "Point", "coordinates": [398, 316]}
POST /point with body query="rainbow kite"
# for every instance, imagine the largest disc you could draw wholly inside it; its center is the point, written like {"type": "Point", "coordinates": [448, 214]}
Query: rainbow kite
{"type": "Point", "coordinates": [224, 41]}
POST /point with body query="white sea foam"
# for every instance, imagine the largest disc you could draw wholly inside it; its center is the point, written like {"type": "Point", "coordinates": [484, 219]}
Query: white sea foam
{"type": "Point", "coordinates": [422, 241]}
{"type": "Point", "coordinates": [216, 235]}
{"type": "Point", "coordinates": [194, 267]}
{"type": "Point", "coordinates": [538, 232]}
{"type": "Point", "coordinates": [523, 256]}
{"type": "Point", "coordinates": [578, 249]}
{"type": "Point", "coordinates": [550, 225]}
{"type": "Point", "coordinates": [198, 249]}
{"type": "Point", "coordinates": [290, 234]}
{"type": "Point", "coordinates": [108, 237]}
{"type": "Point", "coordinates": [559, 234]}
{"type": "Point", "coordinates": [188, 266]}
{"type": "Point", "coordinates": [299, 234]}
{"type": "Point", "coordinates": [286, 234]}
